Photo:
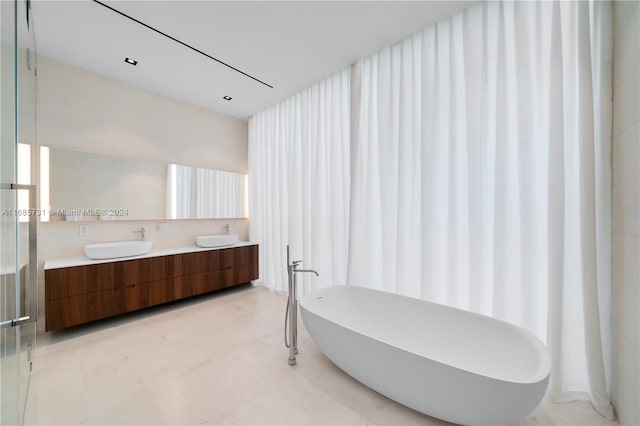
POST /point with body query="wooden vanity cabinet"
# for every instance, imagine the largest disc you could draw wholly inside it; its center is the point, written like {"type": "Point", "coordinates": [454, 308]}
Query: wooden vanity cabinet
{"type": "Point", "coordinates": [80, 294]}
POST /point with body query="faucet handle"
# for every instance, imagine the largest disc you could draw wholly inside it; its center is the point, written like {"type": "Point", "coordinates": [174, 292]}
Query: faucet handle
{"type": "Point", "coordinates": [296, 262]}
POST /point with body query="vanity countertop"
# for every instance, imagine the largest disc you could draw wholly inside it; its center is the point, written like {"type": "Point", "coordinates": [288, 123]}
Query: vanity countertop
{"type": "Point", "coordinates": [82, 261]}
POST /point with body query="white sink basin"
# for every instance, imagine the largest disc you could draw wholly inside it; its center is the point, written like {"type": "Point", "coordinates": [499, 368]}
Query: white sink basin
{"type": "Point", "coordinates": [119, 249]}
{"type": "Point", "coordinates": [216, 240]}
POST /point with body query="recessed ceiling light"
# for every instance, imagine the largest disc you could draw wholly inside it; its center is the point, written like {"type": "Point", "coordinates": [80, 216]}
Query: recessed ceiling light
{"type": "Point", "coordinates": [227, 98]}
{"type": "Point", "coordinates": [131, 61]}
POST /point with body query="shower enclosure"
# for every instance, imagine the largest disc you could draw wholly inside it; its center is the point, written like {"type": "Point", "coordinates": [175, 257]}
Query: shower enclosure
{"type": "Point", "coordinates": [18, 214]}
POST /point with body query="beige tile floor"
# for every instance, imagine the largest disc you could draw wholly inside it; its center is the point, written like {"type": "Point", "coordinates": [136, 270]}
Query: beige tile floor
{"type": "Point", "coordinates": [215, 359]}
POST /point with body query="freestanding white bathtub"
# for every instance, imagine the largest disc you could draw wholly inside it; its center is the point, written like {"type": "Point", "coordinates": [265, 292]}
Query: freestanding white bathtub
{"type": "Point", "coordinates": [448, 363]}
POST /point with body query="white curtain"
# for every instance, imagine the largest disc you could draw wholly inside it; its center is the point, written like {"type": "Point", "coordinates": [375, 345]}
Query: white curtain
{"type": "Point", "coordinates": [299, 183]}
{"type": "Point", "coordinates": [218, 194]}
{"type": "Point", "coordinates": [481, 175]}
{"type": "Point", "coordinates": [196, 193]}
{"type": "Point", "coordinates": [478, 174]}
{"type": "Point", "coordinates": [181, 198]}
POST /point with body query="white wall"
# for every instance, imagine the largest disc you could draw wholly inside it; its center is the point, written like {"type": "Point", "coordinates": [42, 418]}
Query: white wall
{"type": "Point", "coordinates": [84, 111]}
{"type": "Point", "coordinates": [626, 212]}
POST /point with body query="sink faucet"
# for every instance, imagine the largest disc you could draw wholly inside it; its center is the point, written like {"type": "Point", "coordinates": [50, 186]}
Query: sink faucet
{"type": "Point", "coordinates": [226, 228]}
{"type": "Point", "coordinates": [140, 231]}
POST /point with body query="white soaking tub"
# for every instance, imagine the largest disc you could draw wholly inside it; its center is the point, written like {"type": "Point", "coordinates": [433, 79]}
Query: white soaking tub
{"type": "Point", "coordinates": [445, 362]}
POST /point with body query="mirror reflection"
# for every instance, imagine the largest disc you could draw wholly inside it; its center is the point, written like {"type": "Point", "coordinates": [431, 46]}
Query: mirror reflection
{"type": "Point", "coordinates": [193, 192]}
{"type": "Point", "coordinates": [85, 186]}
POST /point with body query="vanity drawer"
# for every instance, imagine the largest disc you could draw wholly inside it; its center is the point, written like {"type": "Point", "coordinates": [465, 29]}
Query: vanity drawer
{"type": "Point", "coordinates": [203, 282]}
{"type": "Point", "coordinates": [239, 274]}
{"type": "Point", "coordinates": [165, 267]}
{"type": "Point", "coordinates": [198, 262]}
{"type": "Point", "coordinates": [239, 256]}
{"type": "Point", "coordinates": [152, 293]}
{"type": "Point", "coordinates": [66, 282]}
{"type": "Point", "coordinates": [83, 308]}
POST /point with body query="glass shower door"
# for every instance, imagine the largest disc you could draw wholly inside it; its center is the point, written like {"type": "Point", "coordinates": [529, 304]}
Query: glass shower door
{"type": "Point", "coordinates": [18, 259]}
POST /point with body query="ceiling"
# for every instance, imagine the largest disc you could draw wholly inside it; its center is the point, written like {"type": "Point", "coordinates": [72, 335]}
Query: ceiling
{"type": "Point", "coordinates": [288, 45]}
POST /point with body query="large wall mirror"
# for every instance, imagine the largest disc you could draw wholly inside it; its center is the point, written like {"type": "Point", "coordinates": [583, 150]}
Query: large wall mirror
{"type": "Point", "coordinates": [85, 186]}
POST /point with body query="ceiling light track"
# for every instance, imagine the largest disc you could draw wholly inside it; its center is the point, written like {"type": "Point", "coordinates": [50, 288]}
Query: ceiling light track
{"type": "Point", "coordinates": [181, 42]}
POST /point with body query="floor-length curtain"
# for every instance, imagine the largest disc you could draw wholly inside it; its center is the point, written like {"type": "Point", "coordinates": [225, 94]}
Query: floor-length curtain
{"type": "Point", "coordinates": [480, 175]}
{"type": "Point", "coordinates": [472, 170]}
{"type": "Point", "coordinates": [299, 184]}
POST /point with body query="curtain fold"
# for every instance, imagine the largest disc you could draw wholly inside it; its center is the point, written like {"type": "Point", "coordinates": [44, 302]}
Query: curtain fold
{"type": "Point", "coordinates": [218, 194]}
{"type": "Point", "coordinates": [473, 171]}
{"type": "Point", "coordinates": [299, 181]}
{"type": "Point", "coordinates": [196, 193]}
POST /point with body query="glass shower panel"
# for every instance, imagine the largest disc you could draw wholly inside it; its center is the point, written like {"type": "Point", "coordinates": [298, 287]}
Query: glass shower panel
{"type": "Point", "coordinates": [9, 291]}
{"type": "Point", "coordinates": [9, 338]}
{"type": "Point", "coordinates": [27, 299]}
{"type": "Point", "coordinates": [26, 196]}
{"type": "Point", "coordinates": [18, 262]}
{"type": "Point", "coordinates": [18, 309]}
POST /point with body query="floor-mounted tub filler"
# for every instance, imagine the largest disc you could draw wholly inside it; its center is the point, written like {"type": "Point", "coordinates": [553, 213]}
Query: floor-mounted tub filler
{"type": "Point", "coordinates": [291, 314]}
{"type": "Point", "coordinates": [447, 363]}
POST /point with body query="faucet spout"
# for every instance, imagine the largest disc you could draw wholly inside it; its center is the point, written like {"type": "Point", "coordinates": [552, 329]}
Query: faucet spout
{"type": "Point", "coordinates": [307, 270]}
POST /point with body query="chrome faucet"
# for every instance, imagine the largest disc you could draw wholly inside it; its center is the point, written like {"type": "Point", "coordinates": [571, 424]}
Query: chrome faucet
{"type": "Point", "coordinates": [140, 231]}
{"type": "Point", "coordinates": [292, 308]}
{"type": "Point", "coordinates": [226, 229]}
{"type": "Point", "coordinates": [305, 270]}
